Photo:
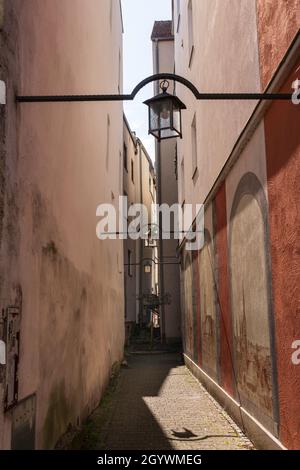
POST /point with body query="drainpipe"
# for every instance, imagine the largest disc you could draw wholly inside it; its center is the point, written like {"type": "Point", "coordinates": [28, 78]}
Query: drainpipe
{"type": "Point", "coordinates": [159, 202]}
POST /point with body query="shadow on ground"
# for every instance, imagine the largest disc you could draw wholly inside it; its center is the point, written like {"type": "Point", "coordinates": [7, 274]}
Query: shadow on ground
{"type": "Point", "coordinates": [123, 421]}
{"type": "Point", "coordinates": [155, 404]}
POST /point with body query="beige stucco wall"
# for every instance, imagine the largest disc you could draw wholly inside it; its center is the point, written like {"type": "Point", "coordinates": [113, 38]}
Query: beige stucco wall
{"type": "Point", "coordinates": [187, 304]}
{"type": "Point", "coordinates": [62, 161]}
{"type": "Point", "coordinates": [249, 285]}
{"type": "Point", "coordinates": [138, 191]}
{"type": "Point", "coordinates": [209, 321]}
{"type": "Point", "coordinates": [252, 160]}
{"type": "Point", "coordinates": [249, 274]}
{"type": "Point", "coordinates": [131, 190]}
{"type": "Point", "coordinates": [150, 280]}
{"type": "Point", "coordinates": [220, 64]}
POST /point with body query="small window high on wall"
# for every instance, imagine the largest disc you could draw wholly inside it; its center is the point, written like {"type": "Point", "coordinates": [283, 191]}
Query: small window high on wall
{"type": "Point", "coordinates": [194, 146]}
{"type": "Point", "coordinates": [178, 15]}
{"type": "Point", "coordinates": [132, 171]}
{"type": "Point", "coordinates": [125, 157]}
{"type": "Point", "coordinates": [182, 182]}
{"type": "Point", "coordinates": [191, 31]}
{"type": "Point", "coordinates": [129, 263]}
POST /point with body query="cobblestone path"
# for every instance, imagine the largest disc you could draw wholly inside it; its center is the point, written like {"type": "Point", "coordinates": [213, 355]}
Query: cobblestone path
{"type": "Point", "coordinates": [159, 405]}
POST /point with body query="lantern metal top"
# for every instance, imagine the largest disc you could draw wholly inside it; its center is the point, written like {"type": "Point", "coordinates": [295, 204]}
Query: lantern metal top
{"type": "Point", "coordinates": [165, 95]}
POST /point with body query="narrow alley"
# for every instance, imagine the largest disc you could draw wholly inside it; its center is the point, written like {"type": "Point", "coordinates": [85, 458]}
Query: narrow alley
{"type": "Point", "coordinates": [149, 249]}
{"type": "Point", "coordinates": [157, 404]}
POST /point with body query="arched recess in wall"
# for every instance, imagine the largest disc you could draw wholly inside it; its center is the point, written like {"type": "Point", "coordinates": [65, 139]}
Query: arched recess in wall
{"type": "Point", "coordinates": [188, 304]}
{"type": "Point", "coordinates": [251, 302]}
{"type": "Point", "coordinates": [208, 307]}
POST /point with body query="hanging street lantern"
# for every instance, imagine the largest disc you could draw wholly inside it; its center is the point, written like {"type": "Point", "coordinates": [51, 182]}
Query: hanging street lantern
{"type": "Point", "coordinates": [147, 267]}
{"type": "Point", "coordinates": [165, 114]}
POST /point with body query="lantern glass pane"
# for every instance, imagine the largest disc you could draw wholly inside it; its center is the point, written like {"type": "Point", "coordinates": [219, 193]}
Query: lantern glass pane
{"type": "Point", "coordinates": [165, 114]}
{"type": "Point", "coordinates": [168, 133]}
{"type": "Point", "coordinates": [176, 120]}
{"type": "Point", "coordinates": [154, 118]}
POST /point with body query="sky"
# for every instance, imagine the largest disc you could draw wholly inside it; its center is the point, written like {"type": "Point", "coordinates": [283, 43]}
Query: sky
{"type": "Point", "coordinates": [138, 19]}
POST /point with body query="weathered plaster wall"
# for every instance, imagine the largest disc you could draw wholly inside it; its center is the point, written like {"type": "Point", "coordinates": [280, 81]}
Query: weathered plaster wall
{"type": "Point", "coordinates": [249, 299]}
{"type": "Point", "coordinates": [9, 211]}
{"type": "Point", "coordinates": [235, 334]}
{"type": "Point", "coordinates": [278, 22]}
{"type": "Point", "coordinates": [221, 63]}
{"type": "Point", "coordinates": [139, 191]}
{"type": "Point", "coordinates": [209, 320]}
{"type": "Point", "coordinates": [187, 304]}
{"type": "Point", "coordinates": [131, 189]}
{"type": "Point", "coordinates": [254, 217]}
{"type": "Point", "coordinates": [61, 162]}
{"type": "Point", "coordinates": [250, 272]}
{"type": "Point", "coordinates": [1, 13]}
{"type": "Point", "coordinates": [283, 168]}
{"type": "Point", "coordinates": [197, 308]}
{"type": "Point", "coordinates": [149, 280]}
{"type": "Point", "coordinates": [223, 285]}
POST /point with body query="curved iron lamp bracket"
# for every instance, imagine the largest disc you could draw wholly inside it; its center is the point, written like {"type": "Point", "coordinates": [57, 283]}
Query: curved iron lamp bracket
{"type": "Point", "coordinates": [153, 78]}
{"type": "Point", "coordinates": [166, 76]}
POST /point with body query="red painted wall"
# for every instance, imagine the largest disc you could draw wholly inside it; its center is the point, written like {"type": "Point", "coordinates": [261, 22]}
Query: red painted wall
{"type": "Point", "coordinates": [223, 290]}
{"type": "Point", "coordinates": [278, 22]}
{"type": "Point", "coordinates": [282, 128]}
{"type": "Point", "coordinates": [196, 286]}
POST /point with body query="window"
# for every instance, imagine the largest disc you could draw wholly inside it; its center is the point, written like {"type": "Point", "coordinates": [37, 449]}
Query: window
{"type": "Point", "coordinates": [132, 171]}
{"type": "Point", "coordinates": [178, 15]}
{"type": "Point", "coordinates": [120, 72]}
{"type": "Point", "coordinates": [129, 263]}
{"type": "Point", "coordinates": [194, 147]}
{"type": "Point", "coordinates": [125, 157]}
{"type": "Point", "coordinates": [120, 172]}
{"type": "Point", "coordinates": [191, 31]}
{"type": "Point", "coordinates": [107, 142]}
{"type": "Point", "coordinates": [182, 181]}
{"type": "Point", "coordinates": [111, 14]}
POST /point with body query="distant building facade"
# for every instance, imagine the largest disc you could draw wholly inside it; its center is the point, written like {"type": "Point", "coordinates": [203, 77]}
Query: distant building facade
{"type": "Point", "coordinates": [140, 256]}
{"type": "Point", "coordinates": [241, 160]}
{"type": "Point", "coordinates": [61, 288]}
{"type": "Point", "coordinates": [167, 193]}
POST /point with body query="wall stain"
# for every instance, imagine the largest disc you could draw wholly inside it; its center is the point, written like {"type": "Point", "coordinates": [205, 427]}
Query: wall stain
{"type": "Point", "coordinates": [59, 410]}
{"type": "Point", "coordinates": [50, 249]}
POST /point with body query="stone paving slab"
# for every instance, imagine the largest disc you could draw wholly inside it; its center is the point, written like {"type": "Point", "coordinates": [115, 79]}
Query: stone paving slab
{"type": "Point", "coordinates": [159, 405]}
